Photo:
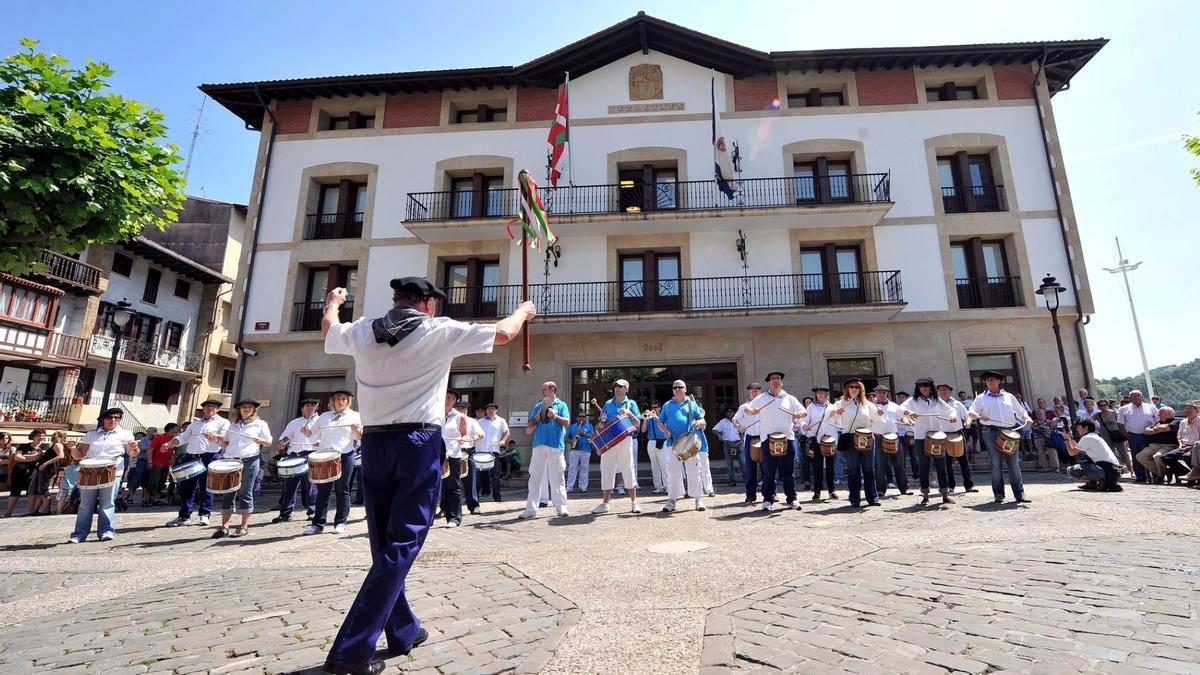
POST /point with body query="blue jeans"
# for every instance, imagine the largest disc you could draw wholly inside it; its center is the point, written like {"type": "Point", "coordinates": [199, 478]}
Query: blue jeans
{"type": "Point", "coordinates": [137, 475]}
{"type": "Point", "coordinates": [783, 468]}
{"type": "Point", "coordinates": [749, 468]}
{"type": "Point", "coordinates": [195, 489]}
{"type": "Point", "coordinates": [733, 455]}
{"type": "Point", "coordinates": [287, 499]}
{"type": "Point", "coordinates": [839, 464]}
{"type": "Point", "coordinates": [402, 475]}
{"type": "Point", "coordinates": [939, 464]}
{"type": "Point", "coordinates": [821, 469]}
{"type": "Point", "coordinates": [998, 460]}
{"type": "Point", "coordinates": [885, 461]}
{"type": "Point", "coordinates": [860, 469]}
{"type": "Point", "coordinates": [244, 494]}
{"type": "Point", "coordinates": [97, 502]}
{"type": "Point", "coordinates": [342, 486]}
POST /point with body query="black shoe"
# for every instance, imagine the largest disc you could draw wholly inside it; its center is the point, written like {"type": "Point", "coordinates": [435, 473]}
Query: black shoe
{"type": "Point", "coordinates": [972, 489]}
{"type": "Point", "coordinates": [1139, 480]}
{"type": "Point", "coordinates": [924, 499]}
{"type": "Point", "coordinates": [874, 503]}
{"type": "Point", "coordinates": [422, 636]}
{"type": "Point", "coordinates": [496, 498]}
{"type": "Point", "coordinates": [750, 501]}
{"type": "Point", "coordinates": [541, 505]}
{"type": "Point", "coordinates": [816, 496]}
{"type": "Point", "coordinates": [1091, 486]}
{"type": "Point", "coordinates": [372, 668]}
{"type": "Point", "coordinates": [1023, 500]}
{"type": "Point", "coordinates": [906, 492]}
{"type": "Point", "coordinates": [220, 533]}
{"type": "Point", "coordinates": [474, 511]}
{"type": "Point", "coordinates": [1115, 488]}
{"type": "Point", "coordinates": [281, 519]}
{"type": "Point", "coordinates": [856, 505]}
{"type": "Point", "coordinates": [832, 494]}
{"type": "Point", "coordinates": [998, 500]}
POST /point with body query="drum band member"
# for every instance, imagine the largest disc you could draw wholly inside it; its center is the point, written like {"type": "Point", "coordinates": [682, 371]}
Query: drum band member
{"type": "Point", "coordinates": [888, 462]}
{"type": "Point", "coordinates": [654, 443]}
{"type": "Point", "coordinates": [621, 456]}
{"type": "Point", "coordinates": [997, 409]}
{"type": "Point", "coordinates": [337, 429]}
{"type": "Point", "coordinates": [580, 453]}
{"type": "Point", "coordinates": [681, 415]}
{"type": "Point", "coordinates": [853, 411]}
{"type": "Point", "coordinates": [203, 440]}
{"type": "Point", "coordinates": [470, 483]}
{"type": "Point", "coordinates": [402, 366]}
{"type": "Point", "coordinates": [962, 426]}
{"type": "Point", "coordinates": [820, 424]}
{"type": "Point", "coordinates": [455, 432]}
{"type": "Point", "coordinates": [495, 439]}
{"type": "Point", "coordinates": [244, 441]}
{"type": "Point", "coordinates": [299, 438]}
{"type": "Point", "coordinates": [548, 422]}
{"type": "Point", "coordinates": [777, 412]}
{"type": "Point", "coordinates": [922, 412]}
{"type": "Point", "coordinates": [748, 426]}
{"type": "Point", "coordinates": [109, 441]}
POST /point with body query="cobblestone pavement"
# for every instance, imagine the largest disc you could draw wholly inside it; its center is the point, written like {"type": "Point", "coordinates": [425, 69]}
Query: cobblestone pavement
{"type": "Point", "coordinates": [1075, 581]}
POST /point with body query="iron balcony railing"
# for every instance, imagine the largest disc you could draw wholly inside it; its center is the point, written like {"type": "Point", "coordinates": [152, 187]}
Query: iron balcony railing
{"type": "Point", "coordinates": [307, 315]}
{"type": "Point", "coordinates": [983, 292]}
{"type": "Point", "coordinates": [333, 225]}
{"type": "Point", "coordinates": [973, 199]}
{"type": "Point", "coordinates": [64, 269]}
{"type": "Point", "coordinates": [634, 197]}
{"type": "Point", "coordinates": [24, 410]}
{"type": "Point", "coordinates": [149, 353]}
{"type": "Point", "coordinates": [599, 298]}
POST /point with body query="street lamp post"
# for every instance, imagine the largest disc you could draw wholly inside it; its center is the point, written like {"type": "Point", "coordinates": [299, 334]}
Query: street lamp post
{"type": "Point", "coordinates": [120, 318]}
{"type": "Point", "coordinates": [1050, 290]}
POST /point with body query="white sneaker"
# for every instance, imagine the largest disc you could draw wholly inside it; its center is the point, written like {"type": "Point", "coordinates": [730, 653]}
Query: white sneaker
{"type": "Point", "coordinates": [711, 493]}
{"type": "Point", "coordinates": [659, 491]}
{"type": "Point", "coordinates": [891, 486]}
{"type": "Point", "coordinates": [314, 529]}
{"type": "Point", "coordinates": [700, 505]}
{"type": "Point", "coordinates": [602, 507]}
{"type": "Point", "coordinates": [339, 528]}
{"type": "Point", "coordinates": [636, 508]}
{"type": "Point", "coordinates": [669, 507]}
{"type": "Point", "coordinates": [107, 536]}
{"type": "Point", "coordinates": [527, 514]}
{"type": "Point", "coordinates": [203, 520]}
{"type": "Point", "coordinates": [766, 506]}
{"type": "Point", "coordinates": [564, 514]}
{"type": "Point", "coordinates": [449, 523]}
{"type": "Point", "coordinates": [72, 540]}
{"type": "Point", "coordinates": [179, 521]}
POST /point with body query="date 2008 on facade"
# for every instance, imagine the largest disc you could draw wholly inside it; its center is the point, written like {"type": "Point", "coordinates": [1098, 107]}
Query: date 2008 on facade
{"type": "Point", "coordinates": [652, 346]}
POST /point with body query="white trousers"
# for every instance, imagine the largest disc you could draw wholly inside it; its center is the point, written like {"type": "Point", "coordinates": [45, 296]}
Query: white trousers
{"type": "Point", "coordinates": [578, 467]}
{"type": "Point", "coordinates": [546, 464]}
{"type": "Point", "coordinates": [705, 472]}
{"type": "Point", "coordinates": [675, 474]}
{"type": "Point", "coordinates": [656, 465]}
{"type": "Point", "coordinates": [618, 458]}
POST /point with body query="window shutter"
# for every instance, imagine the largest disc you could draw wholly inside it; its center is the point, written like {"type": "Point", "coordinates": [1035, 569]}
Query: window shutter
{"type": "Point", "coordinates": [173, 399]}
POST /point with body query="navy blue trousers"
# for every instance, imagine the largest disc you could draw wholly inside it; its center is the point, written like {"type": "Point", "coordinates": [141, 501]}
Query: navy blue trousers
{"type": "Point", "coordinates": [750, 468]}
{"type": "Point", "coordinates": [402, 474]}
{"type": "Point", "coordinates": [340, 489]}
{"type": "Point", "coordinates": [194, 490]}
{"type": "Point", "coordinates": [782, 469]}
{"type": "Point", "coordinates": [287, 499]}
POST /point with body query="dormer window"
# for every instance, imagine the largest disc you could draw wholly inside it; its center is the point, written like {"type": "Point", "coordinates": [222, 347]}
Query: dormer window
{"type": "Point", "coordinates": [482, 113]}
{"type": "Point", "coordinates": [814, 98]}
{"type": "Point", "coordinates": [352, 121]}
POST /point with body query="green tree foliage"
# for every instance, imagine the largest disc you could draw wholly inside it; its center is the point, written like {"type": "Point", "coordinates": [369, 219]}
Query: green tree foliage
{"type": "Point", "coordinates": [1192, 145]}
{"type": "Point", "coordinates": [1175, 384]}
{"type": "Point", "coordinates": [77, 165]}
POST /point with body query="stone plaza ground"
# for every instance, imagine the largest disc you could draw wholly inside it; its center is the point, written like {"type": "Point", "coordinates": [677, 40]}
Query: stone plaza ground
{"type": "Point", "coordinates": [1074, 582]}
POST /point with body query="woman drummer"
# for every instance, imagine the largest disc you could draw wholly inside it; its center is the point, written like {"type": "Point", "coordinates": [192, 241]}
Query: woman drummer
{"type": "Point", "coordinates": [243, 442]}
{"type": "Point", "coordinates": [109, 441]}
{"type": "Point", "coordinates": [853, 411]}
{"type": "Point", "coordinates": [925, 412]}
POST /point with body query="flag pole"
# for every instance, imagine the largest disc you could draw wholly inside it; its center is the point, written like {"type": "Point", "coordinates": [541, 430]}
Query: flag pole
{"type": "Point", "coordinates": [525, 292]}
{"type": "Point", "coordinates": [570, 154]}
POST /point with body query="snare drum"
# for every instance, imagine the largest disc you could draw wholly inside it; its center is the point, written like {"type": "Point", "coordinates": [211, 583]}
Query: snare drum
{"type": "Point", "coordinates": [777, 444]}
{"type": "Point", "coordinates": [1008, 440]}
{"type": "Point", "coordinates": [483, 461]}
{"type": "Point", "coordinates": [864, 439]}
{"type": "Point", "coordinates": [186, 470]}
{"type": "Point", "coordinates": [891, 443]}
{"type": "Point", "coordinates": [686, 446]}
{"type": "Point", "coordinates": [96, 473]}
{"type": "Point", "coordinates": [357, 459]}
{"type": "Point", "coordinates": [829, 445]}
{"type": "Point", "coordinates": [324, 467]}
{"type": "Point", "coordinates": [464, 467]}
{"type": "Point", "coordinates": [291, 466]}
{"type": "Point", "coordinates": [224, 475]}
{"type": "Point", "coordinates": [955, 445]}
{"type": "Point", "coordinates": [756, 451]}
{"type": "Point", "coordinates": [935, 443]}
{"type": "Point", "coordinates": [445, 469]}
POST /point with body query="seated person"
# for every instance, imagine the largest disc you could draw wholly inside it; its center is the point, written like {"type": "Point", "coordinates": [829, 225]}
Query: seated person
{"type": "Point", "coordinates": [1160, 438]}
{"type": "Point", "coordinates": [1175, 461]}
{"type": "Point", "coordinates": [1101, 471]}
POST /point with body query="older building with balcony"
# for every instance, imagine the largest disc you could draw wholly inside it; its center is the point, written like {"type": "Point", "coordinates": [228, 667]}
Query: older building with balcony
{"type": "Point", "coordinates": [894, 210]}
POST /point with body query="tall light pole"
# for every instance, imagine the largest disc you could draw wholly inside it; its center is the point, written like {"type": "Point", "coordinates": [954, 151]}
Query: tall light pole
{"type": "Point", "coordinates": [1124, 267]}
{"type": "Point", "coordinates": [120, 317]}
{"type": "Point", "coordinates": [1050, 290]}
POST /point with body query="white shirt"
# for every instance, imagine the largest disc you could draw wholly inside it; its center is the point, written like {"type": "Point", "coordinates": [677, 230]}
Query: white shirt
{"type": "Point", "coordinates": [1083, 413]}
{"type": "Point", "coordinates": [856, 416]}
{"type": "Point", "coordinates": [1097, 449]}
{"type": "Point", "coordinates": [493, 431]}
{"type": "Point", "coordinates": [337, 434]}
{"type": "Point", "coordinates": [240, 436]}
{"type": "Point", "coordinates": [1137, 418]}
{"type": "Point", "coordinates": [776, 413]}
{"type": "Point", "coordinates": [960, 415]}
{"type": "Point", "coordinates": [194, 438]}
{"type": "Point", "coordinates": [451, 434]}
{"type": "Point", "coordinates": [747, 423]}
{"type": "Point", "coordinates": [819, 423]}
{"type": "Point", "coordinates": [1003, 410]}
{"type": "Point", "coordinates": [887, 423]}
{"type": "Point", "coordinates": [297, 441]}
{"type": "Point", "coordinates": [474, 431]}
{"type": "Point", "coordinates": [726, 431]}
{"type": "Point", "coordinates": [929, 411]}
{"type": "Point", "coordinates": [103, 443]}
{"type": "Point", "coordinates": [407, 383]}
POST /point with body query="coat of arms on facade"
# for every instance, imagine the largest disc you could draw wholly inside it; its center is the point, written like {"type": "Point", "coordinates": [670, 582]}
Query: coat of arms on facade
{"type": "Point", "coordinates": [645, 82]}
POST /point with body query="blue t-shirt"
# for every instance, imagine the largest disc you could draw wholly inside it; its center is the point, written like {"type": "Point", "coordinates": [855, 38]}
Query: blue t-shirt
{"type": "Point", "coordinates": [653, 433]}
{"type": "Point", "coordinates": [678, 417]}
{"type": "Point", "coordinates": [550, 433]}
{"type": "Point", "coordinates": [585, 431]}
{"type": "Point", "coordinates": [612, 409]}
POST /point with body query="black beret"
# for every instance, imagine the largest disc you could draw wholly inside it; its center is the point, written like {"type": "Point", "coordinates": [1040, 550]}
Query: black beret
{"type": "Point", "coordinates": [211, 401]}
{"type": "Point", "coordinates": [247, 401]}
{"type": "Point", "coordinates": [309, 401]}
{"type": "Point", "coordinates": [419, 286]}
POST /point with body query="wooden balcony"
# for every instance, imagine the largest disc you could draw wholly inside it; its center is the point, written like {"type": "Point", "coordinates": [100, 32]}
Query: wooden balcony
{"type": "Point", "coordinates": [38, 344]}
{"type": "Point", "coordinates": [68, 273]}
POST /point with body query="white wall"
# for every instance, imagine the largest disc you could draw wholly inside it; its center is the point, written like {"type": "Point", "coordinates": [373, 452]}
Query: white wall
{"type": "Point", "coordinates": [683, 82]}
{"type": "Point", "coordinates": [384, 264]}
{"type": "Point", "coordinates": [912, 250]}
{"type": "Point", "coordinates": [1043, 245]}
{"type": "Point", "coordinates": [14, 379]}
{"type": "Point", "coordinates": [268, 293]}
{"type": "Point", "coordinates": [149, 414]}
{"type": "Point", "coordinates": [166, 307]}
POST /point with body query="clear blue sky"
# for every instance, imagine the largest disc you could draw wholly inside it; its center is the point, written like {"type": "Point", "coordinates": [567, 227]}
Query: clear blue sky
{"type": "Point", "coordinates": [1120, 123]}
